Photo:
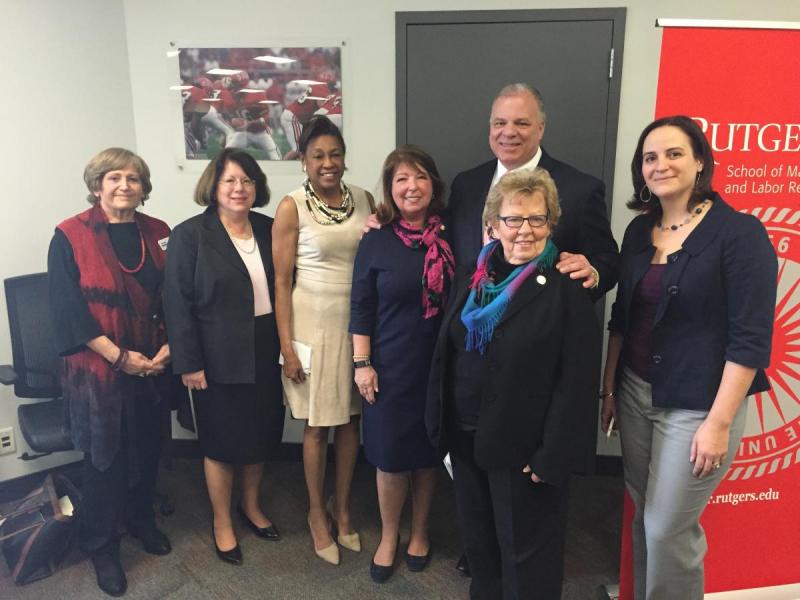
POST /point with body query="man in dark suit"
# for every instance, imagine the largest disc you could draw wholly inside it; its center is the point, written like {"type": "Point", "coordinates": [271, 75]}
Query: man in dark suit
{"type": "Point", "coordinates": [583, 235]}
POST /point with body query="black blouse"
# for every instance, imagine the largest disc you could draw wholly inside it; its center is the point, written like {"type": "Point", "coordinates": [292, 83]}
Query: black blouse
{"type": "Point", "coordinates": [73, 323]}
{"type": "Point", "coordinates": [469, 366]}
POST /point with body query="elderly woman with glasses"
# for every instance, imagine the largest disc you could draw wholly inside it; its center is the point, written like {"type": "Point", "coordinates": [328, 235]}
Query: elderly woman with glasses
{"type": "Point", "coordinates": [510, 383]}
{"type": "Point", "coordinates": [218, 297]}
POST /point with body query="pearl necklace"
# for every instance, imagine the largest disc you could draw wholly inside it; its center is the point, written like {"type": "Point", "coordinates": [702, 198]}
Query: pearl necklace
{"type": "Point", "coordinates": [242, 248]}
{"type": "Point", "coordinates": [697, 210]}
{"type": "Point", "coordinates": [245, 250]}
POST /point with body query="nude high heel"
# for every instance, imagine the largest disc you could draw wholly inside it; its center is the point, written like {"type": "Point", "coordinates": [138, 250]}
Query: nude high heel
{"type": "Point", "coordinates": [351, 541]}
{"type": "Point", "coordinates": [330, 554]}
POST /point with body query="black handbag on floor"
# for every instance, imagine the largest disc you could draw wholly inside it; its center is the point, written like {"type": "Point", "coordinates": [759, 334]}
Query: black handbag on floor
{"type": "Point", "coordinates": [36, 534]}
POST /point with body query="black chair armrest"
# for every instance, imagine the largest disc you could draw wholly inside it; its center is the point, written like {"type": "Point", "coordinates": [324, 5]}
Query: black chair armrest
{"type": "Point", "coordinates": [8, 376]}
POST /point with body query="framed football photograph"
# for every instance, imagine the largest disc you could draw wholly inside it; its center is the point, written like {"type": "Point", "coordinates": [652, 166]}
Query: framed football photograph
{"type": "Point", "coordinates": [254, 98]}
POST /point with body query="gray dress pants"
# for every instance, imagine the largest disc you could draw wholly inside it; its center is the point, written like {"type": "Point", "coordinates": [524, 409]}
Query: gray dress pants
{"type": "Point", "coordinates": [668, 542]}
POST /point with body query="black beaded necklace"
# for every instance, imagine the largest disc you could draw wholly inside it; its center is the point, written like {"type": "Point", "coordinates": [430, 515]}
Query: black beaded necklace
{"type": "Point", "coordinates": [696, 211]}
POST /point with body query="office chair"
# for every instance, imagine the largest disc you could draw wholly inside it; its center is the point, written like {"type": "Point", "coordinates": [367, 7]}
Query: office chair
{"type": "Point", "coordinates": [35, 372]}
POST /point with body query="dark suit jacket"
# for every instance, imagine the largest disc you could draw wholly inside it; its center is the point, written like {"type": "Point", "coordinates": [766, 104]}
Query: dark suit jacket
{"type": "Point", "coordinates": [583, 228]}
{"type": "Point", "coordinates": [718, 305]}
{"type": "Point", "coordinates": [208, 298]}
{"type": "Point", "coordinates": [541, 390]}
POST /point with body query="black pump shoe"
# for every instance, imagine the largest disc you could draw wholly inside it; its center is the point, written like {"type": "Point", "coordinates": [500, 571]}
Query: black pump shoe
{"type": "Point", "coordinates": [462, 566]}
{"type": "Point", "coordinates": [380, 573]}
{"type": "Point", "coordinates": [153, 540]}
{"type": "Point", "coordinates": [417, 563]}
{"type": "Point", "coordinates": [268, 533]}
{"type": "Point", "coordinates": [232, 556]}
{"type": "Point", "coordinates": [110, 576]}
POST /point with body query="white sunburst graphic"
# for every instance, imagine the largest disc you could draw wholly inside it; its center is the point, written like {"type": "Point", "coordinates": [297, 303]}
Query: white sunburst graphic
{"type": "Point", "coordinates": [771, 441]}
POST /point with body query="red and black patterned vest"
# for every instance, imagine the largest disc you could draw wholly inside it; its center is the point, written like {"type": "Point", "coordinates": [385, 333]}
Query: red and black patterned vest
{"type": "Point", "coordinates": [125, 313]}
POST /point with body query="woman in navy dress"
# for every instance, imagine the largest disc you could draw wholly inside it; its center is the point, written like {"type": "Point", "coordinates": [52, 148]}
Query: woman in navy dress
{"type": "Point", "coordinates": [400, 281]}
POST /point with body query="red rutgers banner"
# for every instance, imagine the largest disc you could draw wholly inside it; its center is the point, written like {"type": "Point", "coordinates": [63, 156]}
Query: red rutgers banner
{"type": "Point", "coordinates": [743, 87]}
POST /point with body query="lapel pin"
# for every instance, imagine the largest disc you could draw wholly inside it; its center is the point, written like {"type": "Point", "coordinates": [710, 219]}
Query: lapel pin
{"type": "Point", "coordinates": [541, 279]}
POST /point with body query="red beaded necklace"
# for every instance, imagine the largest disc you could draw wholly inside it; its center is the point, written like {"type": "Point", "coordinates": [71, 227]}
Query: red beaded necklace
{"type": "Point", "coordinates": [138, 267]}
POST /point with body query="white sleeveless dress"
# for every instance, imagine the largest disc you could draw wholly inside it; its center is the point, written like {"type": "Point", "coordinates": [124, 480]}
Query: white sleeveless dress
{"type": "Point", "coordinates": [321, 314]}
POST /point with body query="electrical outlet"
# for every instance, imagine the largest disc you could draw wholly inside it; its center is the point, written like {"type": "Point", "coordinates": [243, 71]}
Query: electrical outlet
{"type": "Point", "coordinates": [7, 443]}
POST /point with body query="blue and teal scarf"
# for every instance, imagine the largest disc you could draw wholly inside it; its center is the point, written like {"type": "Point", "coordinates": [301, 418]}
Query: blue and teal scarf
{"type": "Point", "coordinates": [487, 302]}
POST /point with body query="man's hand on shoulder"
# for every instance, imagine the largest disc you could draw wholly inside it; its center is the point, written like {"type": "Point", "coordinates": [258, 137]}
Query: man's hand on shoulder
{"type": "Point", "coordinates": [371, 223]}
{"type": "Point", "coordinates": [578, 267]}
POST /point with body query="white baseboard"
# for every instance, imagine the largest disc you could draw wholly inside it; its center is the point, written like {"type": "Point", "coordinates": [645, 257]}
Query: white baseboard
{"type": "Point", "coordinates": [780, 592]}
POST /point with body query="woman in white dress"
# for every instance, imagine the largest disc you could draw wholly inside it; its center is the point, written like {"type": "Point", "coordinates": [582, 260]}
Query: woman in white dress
{"type": "Point", "coordinates": [315, 236]}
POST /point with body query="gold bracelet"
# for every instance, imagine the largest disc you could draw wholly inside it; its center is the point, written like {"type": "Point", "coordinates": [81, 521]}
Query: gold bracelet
{"type": "Point", "coordinates": [360, 356]}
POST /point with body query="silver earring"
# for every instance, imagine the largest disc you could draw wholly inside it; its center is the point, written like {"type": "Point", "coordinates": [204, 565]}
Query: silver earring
{"type": "Point", "coordinates": [304, 168]}
{"type": "Point", "coordinates": [697, 179]}
{"type": "Point", "coordinates": [649, 195]}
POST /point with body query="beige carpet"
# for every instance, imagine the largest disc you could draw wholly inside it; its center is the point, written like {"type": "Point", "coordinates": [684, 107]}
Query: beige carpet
{"type": "Point", "coordinates": [289, 570]}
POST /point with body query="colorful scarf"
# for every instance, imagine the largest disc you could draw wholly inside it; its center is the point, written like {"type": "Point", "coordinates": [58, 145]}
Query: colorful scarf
{"type": "Point", "coordinates": [438, 270]}
{"type": "Point", "coordinates": [487, 302]}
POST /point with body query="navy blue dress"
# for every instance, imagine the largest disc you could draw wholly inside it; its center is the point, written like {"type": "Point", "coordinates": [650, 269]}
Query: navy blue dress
{"type": "Point", "coordinates": [386, 304]}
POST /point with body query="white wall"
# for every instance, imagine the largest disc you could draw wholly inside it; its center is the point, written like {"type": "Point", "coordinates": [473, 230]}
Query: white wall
{"type": "Point", "coordinates": [110, 76]}
{"type": "Point", "coordinates": [66, 94]}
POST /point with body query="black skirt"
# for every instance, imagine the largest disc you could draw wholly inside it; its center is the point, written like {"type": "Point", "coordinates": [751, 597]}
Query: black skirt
{"type": "Point", "coordinates": [243, 423]}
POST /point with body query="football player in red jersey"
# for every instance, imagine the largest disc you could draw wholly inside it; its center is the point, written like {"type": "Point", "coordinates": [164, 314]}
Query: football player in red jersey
{"type": "Point", "coordinates": [332, 108]}
{"type": "Point", "coordinates": [248, 116]}
{"type": "Point", "coordinates": [298, 112]}
{"type": "Point", "coordinates": [251, 123]}
{"type": "Point", "coordinates": [220, 103]}
{"type": "Point", "coordinates": [194, 108]}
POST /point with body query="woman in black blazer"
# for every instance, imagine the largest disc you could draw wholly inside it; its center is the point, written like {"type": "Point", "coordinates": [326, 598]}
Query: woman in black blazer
{"type": "Point", "coordinates": [690, 336]}
{"type": "Point", "coordinates": [510, 385]}
{"type": "Point", "coordinates": [218, 298]}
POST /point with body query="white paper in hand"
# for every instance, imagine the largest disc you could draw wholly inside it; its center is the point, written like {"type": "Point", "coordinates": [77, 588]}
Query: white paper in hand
{"type": "Point", "coordinates": [448, 464]}
{"type": "Point", "coordinates": [65, 504]}
{"type": "Point", "coordinates": [303, 352]}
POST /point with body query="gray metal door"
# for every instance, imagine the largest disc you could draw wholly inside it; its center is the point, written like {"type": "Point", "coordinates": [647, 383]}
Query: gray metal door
{"type": "Point", "coordinates": [450, 65]}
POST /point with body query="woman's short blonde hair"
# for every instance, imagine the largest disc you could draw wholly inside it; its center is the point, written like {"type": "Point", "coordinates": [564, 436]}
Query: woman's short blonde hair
{"type": "Point", "coordinates": [524, 182]}
{"type": "Point", "coordinates": [114, 159]}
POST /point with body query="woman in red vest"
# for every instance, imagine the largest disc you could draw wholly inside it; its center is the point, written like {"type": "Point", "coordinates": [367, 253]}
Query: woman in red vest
{"type": "Point", "coordinates": [105, 267]}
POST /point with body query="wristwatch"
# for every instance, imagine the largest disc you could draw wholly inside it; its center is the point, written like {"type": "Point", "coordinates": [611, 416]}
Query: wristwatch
{"type": "Point", "coordinates": [357, 364]}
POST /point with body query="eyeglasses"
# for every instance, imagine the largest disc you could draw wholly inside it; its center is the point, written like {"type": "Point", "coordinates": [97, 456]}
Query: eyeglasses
{"type": "Point", "coordinates": [534, 221]}
{"type": "Point", "coordinates": [232, 181]}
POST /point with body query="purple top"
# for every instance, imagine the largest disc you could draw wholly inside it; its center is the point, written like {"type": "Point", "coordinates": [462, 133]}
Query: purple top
{"type": "Point", "coordinates": [646, 297]}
